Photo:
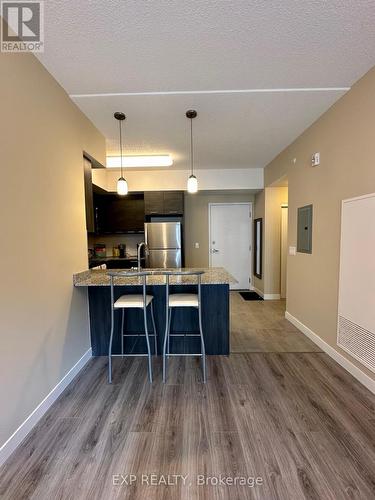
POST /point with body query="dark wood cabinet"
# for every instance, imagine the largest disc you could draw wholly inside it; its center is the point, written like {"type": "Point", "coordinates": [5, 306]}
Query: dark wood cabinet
{"type": "Point", "coordinates": [122, 263]}
{"type": "Point", "coordinates": [154, 202]}
{"type": "Point", "coordinates": [119, 214]}
{"type": "Point", "coordinates": [109, 213]}
{"type": "Point", "coordinates": [117, 263]}
{"type": "Point", "coordinates": [164, 203]}
{"type": "Point", "coordinates": [215, 303]}
{"type": "Point", "coordinates": [89, 198]}
{"type": "Point", "coordinates": [173, 202]}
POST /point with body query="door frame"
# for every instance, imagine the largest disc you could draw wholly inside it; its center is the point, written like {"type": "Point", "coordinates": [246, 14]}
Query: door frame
{"type": "Point", "coordinates": [251, 216]}
{"type": "Point", "coordinates": [283, 207]}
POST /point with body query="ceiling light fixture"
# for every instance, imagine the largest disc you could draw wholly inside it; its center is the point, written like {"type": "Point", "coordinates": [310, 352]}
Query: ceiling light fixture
{"type": "Point", "coordinates": [139, 161]}
{"type": "Point", "coordinates": [223, 91]}
{"type": "Point", "coordinates": [192, 183]}
{"type": "Point", "coordinates": [122, 185]}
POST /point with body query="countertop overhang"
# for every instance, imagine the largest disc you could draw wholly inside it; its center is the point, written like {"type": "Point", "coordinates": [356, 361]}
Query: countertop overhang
{"type": "Point", "coordinates": [99, 277]}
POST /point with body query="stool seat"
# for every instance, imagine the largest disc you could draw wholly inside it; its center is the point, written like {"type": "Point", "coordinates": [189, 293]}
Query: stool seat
{"type": "Point", "coordinates": [175, 300]}
{"type": "Point", "coordinates": [183, 300]}
{"type": "Point", "coordinates": [129, 301]}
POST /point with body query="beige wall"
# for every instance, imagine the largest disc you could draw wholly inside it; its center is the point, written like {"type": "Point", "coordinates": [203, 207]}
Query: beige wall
{"type": "Point", "coordinates": [43, 320]}
{"type": "Point", "coordinates": [196, 224]}
{"type": "Point", "coordinates": [268, 206]}
{"type": "Point", "coordinates": [164, 180]}
{"type": "Point", "coordinates": [344, 136]}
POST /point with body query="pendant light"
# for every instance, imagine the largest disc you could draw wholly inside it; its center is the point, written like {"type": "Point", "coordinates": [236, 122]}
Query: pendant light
{"type": "Point", "coordinates": [122, 185]}
{"type": "Point", "coordinates": [192, 183]}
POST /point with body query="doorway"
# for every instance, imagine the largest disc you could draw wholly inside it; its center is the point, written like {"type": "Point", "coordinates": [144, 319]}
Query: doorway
{"type": "Point", "coordinates": [230, 236]}
{"type": "Point", "coordinates": [283, 249]}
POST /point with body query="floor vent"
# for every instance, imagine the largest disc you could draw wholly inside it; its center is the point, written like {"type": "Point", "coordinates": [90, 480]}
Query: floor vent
{"type": "Point", "coordinates": [357, 341]}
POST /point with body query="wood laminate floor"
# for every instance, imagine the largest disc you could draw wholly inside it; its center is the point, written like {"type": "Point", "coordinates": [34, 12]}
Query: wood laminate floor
{"type": "Point", "coordinates": [297, 421]}
{"type": "Point", "coordinates": [260, 326]}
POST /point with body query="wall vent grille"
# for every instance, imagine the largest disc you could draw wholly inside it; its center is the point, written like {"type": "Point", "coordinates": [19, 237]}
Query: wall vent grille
{"type": "Point", "coordinates": [357, 341]}
{"type": "Point", "coordinates": [356, 318]}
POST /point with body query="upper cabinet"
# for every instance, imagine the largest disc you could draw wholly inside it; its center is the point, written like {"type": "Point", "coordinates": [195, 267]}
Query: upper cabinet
{"type": "Point", "coordinates": [173, 202]}
{"type": "Point", "coordinates": [154, 202]}
{"type": "Point", "coordinates": [109, 213]}
{"type": "Point", "coordinates": [119, 214]}
{"type": "Point", "coordinates": [164, 202]}
{"type": "Point", "coordinates": [89, 201]}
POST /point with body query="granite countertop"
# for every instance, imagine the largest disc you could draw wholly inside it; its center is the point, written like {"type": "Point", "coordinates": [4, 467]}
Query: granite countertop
{"type": "Point", "coordinates": [99, 277]}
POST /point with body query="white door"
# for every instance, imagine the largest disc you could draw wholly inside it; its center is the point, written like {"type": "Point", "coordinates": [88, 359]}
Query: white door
{"type": "Point", "coordinates": [283, 250]}
{"type": "Point", "coordinates": [230, 240]}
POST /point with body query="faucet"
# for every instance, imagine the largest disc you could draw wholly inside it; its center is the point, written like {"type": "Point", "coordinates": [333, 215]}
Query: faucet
{"type": "Point", "coordinates": [143, 244]}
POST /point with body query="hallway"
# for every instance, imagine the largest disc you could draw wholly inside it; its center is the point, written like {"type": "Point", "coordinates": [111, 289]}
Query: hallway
{"type": "Point", "coordinates": [260, 326]}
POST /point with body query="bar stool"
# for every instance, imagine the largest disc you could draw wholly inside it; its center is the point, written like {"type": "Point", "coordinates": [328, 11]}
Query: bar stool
{"type": "Point", "coordinates": [182, 300]}
{"type": "Point", "coordinates": [131, 301]}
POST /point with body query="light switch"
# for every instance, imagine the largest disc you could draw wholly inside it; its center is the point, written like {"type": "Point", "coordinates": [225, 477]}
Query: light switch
{"type": "Point", "coordinates": [292, 250]}
{"type": "Point", "coordinates": [196, 244]}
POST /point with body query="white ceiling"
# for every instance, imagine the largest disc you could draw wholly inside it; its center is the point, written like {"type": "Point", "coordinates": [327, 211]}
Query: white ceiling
{"type": "Point", "coordinates": [231, 130]}
{"type": "Point", "coordinates": [96, 47]}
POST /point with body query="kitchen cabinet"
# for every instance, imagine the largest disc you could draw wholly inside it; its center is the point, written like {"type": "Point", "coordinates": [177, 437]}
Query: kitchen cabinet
{"type": "Point", "coordinates": [173, 202]}
{"type": "Point", "coordinates": [215, 303]}
{"type": "Point", "coordinates": [164, 202]}
{"type": "Point", "coordinates": [119, 214]}
{"type": "Point", "coordinates": [121, 263]}
{"type": "Point", "coordinates": [89, 199]}
{"type": "Point", "coordinates": [154, 202]}
{"type": "Point", "coordinates": [117, 263]}
{"type": "Point", "coordinates": [109, 213]}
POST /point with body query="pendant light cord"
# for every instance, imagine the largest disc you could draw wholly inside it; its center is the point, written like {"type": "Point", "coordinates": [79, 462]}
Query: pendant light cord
{"type": "Point", "coordinates": [120, 147]}
{"type": "Point", "coordinates": [191, 146]}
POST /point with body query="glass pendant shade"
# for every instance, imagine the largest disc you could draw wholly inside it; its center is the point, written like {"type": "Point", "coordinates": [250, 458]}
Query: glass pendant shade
{"type": "Point", "coordinates": [192, 184]}
{"type": "Point", "coordinates": [122, 186]}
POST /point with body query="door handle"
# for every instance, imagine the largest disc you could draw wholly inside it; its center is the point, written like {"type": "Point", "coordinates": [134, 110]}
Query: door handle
{"type": "Point", "coordinates": [214, 250]}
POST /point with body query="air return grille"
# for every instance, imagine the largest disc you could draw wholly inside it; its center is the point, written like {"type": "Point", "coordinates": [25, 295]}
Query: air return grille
{"type": "Point", "coordinates": [357, 341]}
{"type": "Point", "coordinates": [356, 311]}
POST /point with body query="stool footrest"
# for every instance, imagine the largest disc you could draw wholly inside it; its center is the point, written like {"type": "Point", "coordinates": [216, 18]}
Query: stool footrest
{"type": "Point", "coordinates": [138, 334]}
{"type": "Point", "coordinates": [129, 355]}
{"type": "Point", "coordinates": [199, 354]}
{"type": "Point", "coordinates": [184, 335]}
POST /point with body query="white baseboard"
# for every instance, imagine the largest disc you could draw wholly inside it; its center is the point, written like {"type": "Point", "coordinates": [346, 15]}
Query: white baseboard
{"type": "Point", "coordinates": [271, 296]}
{"type": "Point", "coordinates": [259, 292]}
{"type": "Point", "coordinates": [267, 296]}
{"type": "Point", "coordinates": [331, 351]}
{"type": "Point", "coordinates": [19, 435]}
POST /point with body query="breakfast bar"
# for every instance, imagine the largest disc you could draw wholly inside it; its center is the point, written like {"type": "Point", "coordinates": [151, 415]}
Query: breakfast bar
{"type": "Point", "coordinates": [215, 307]}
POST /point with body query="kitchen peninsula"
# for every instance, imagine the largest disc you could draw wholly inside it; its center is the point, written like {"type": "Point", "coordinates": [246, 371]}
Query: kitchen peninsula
{"type": "Point", "coordinates": [215, 308]}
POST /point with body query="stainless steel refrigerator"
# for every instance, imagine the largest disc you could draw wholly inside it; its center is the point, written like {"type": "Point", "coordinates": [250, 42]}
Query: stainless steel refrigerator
{"type": "Point", "coordinates": [164, 244]}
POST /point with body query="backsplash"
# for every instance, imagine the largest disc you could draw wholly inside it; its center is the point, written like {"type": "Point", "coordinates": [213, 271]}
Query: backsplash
{"type": "Point", "coordinates": [111, 240]}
